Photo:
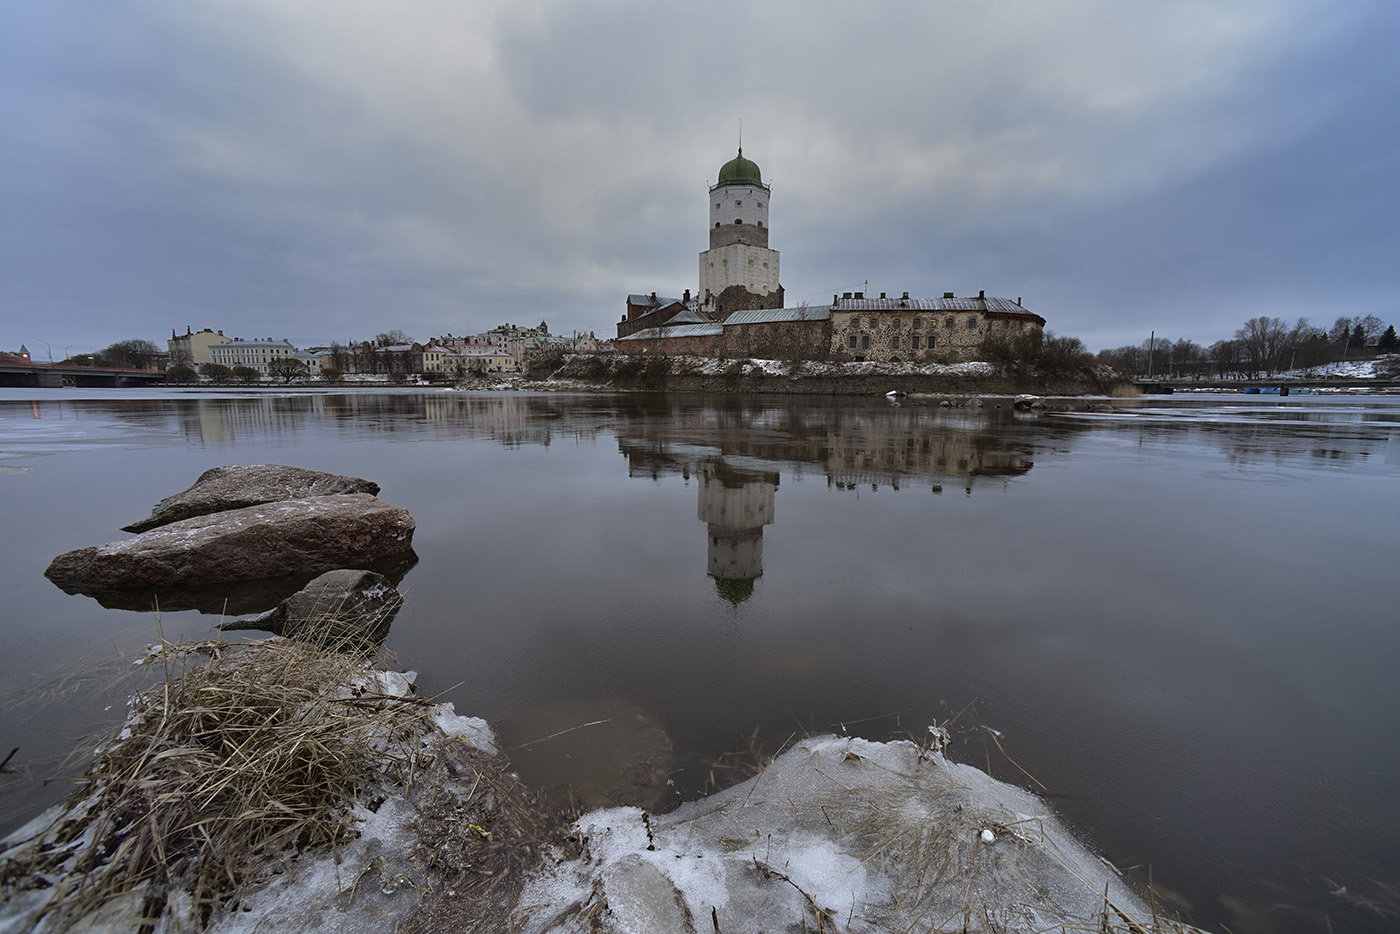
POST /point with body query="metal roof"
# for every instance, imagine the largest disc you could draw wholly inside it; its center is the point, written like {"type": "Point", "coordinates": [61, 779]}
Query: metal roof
{"type": "Point", "coordinates": [680, 330]}
{"type": "Point", "coordinates": [648, 298]}
{"type": "Point", "coordinates": [990, 303]}
{"type": "Point", "coordinates": [768, 315]}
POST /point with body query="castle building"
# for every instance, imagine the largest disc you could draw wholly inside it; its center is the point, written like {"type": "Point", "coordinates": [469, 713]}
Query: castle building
{"type": "Point", "coordinates": [739, 272]}
{"type": "Point", "coordinates": [738, 311]}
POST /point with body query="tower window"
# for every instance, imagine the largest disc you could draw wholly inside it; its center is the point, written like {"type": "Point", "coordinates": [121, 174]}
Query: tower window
{"type": "Point", "coordinates": [716, 223]}
{"type": "Point", "coordinates": [738, 204]}
{"type": "Point", "coordinates": [760, 223]}
{"type": "Point", "coordinates": [737, 221]}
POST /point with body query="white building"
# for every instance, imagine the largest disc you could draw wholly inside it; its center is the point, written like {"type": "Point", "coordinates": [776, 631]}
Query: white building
{"type": "Point", "coordinates": [739, 272]}
{"type": "Point", "coordinates": [257, 354]}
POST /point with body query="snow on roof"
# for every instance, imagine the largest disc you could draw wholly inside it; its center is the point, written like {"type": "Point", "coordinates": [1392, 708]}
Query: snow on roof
{"type": "Point", "coordinates": [989, 303]}
{"type": "Point", "coordinates": [680, 330]}
{"type": "Point", "coordinates": [768, 315]}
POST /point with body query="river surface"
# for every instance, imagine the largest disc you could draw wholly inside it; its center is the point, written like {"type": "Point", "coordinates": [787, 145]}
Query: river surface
{"type": "Point", "coordinates": [1176, 621]}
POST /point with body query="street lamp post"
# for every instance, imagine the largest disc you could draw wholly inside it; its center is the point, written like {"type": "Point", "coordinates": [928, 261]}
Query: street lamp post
{"type": "Point", "coordinates": [50, 349]}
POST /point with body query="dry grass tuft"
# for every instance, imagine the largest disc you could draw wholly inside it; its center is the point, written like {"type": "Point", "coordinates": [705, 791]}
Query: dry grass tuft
{"type": "Point", "coordinates": [221, 771]}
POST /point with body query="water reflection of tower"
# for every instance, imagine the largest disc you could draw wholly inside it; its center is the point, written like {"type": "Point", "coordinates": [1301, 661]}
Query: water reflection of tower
{"type": "Point", "coordinates": [735, 505]}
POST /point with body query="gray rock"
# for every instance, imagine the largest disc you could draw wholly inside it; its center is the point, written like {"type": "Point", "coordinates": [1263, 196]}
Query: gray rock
{"type": "Point", "coordinates": [309, 535]}
{"type": "Point", "coordinates": [341, 607]}
{"type": "Point", "coordinates": [239, 486]}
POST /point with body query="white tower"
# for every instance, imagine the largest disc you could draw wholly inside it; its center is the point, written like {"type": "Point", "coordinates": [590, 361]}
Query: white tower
{"type": "Point", "coordinates": [738, 259]}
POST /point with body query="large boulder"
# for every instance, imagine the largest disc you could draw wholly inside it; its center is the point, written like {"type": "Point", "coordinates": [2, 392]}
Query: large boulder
{"type": "Point", "coordinates": [235, 487]}
{"type": "Point", "coordinates": [344, 607]}
{"type": "Point", "coordinates": [308, 535]}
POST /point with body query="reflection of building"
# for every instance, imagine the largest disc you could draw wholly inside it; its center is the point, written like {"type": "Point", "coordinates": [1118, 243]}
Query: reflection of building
{"type": "Point", "coordinates": [735, 505]}
{"type": "Point", "coordinates": [889, 453]}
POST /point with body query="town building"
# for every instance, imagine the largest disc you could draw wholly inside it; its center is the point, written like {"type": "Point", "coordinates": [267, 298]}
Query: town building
{"type": "Point", "coordinates": [738, 311]}
{"type": "Point", "coordinates": [193, 347]}
{"type": "Point", "coordinates": [257, 354]}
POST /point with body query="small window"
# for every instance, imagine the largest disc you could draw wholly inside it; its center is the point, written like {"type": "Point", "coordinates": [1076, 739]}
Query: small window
{"type": "Point", "coordinates": [760, 223]}
{"type": "Point", "coordinates": [716, 223]}
{"type": "Point", "coordinates": [894, 342]}
{"type": "Point", "coordinates": [914, 342]}
{"type": "Point", "coordinates": [931, 341]}
{"type": "Point", "coordinates": [865, 341]}
{"type": "Point", "coordinates": [898, 324]}
{"type": "Point", "coordinates": [737, 221]}
{"type": "Point", "coordinates": [918, 324]}
{"type": "Point", "coordinates": [874, 322]}
{"type": "Point", "coordinates": [950, 322]}
{"type": "Point", "coordinates": [971, 322]}
{"type": "Point", "coordinates": [853, 342]}
{"type": "Point", "coordinates": [738, 204]}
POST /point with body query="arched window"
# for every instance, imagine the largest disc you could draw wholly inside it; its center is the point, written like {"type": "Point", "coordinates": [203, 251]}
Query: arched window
{"type": "Point", "coordinates": [737, 221]}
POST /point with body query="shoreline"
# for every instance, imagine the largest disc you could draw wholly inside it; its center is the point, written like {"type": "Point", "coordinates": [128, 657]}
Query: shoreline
{"type": "Point", "coordinates": [849, 834]}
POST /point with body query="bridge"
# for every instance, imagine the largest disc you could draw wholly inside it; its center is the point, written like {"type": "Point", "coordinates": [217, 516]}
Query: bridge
{"type": "Point", "coordinates": [16, 371]}
{"type": "Point", "coordinates": [1273, 384]}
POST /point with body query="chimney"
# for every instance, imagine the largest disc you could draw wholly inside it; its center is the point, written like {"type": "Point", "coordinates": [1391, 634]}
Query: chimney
{"type": "Point", "coordinates": [905, 295]}
{"type": "Point", "coordinates": [947, 294]}
{"type": "Point", "coordinates": [882, 294]}
{"type": "Point", "coordinates": [845, 294]}
{"type": "Point", "coordinates": [982, 294]}
{"type": "Point", "coordinates": [860, 295]}
{"type": "Point", "coordinates": [1018, 299]}
{"type": "Point", "coordinates": [687, 297]}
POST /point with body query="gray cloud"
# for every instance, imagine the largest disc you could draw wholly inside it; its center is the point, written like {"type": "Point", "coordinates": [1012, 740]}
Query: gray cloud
{"type": "Point", "coordinates": [328, 169]}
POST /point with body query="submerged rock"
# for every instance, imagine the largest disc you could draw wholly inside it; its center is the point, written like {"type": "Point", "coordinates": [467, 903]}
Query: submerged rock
{"type": "Point", "coordinates": [308, 535]}
{"type": "Point", "coordinates": [238, 486]}
{"type": "Point", "coordinates": [341, 607]}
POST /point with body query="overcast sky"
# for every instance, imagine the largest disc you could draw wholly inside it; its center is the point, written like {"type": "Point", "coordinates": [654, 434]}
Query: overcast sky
{"type": "Point", "coordinates": [328, 169]}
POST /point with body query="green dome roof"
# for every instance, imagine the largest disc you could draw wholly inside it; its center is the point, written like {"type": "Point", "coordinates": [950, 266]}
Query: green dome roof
{"type": "Point", "coordinates": [740, 171]}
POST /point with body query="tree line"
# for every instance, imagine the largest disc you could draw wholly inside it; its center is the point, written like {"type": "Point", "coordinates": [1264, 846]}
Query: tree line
{"type": "Point", "coordinates": [1262, 346]}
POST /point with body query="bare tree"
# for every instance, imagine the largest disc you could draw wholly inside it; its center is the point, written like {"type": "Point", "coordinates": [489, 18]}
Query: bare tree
{"type": "Point", "coordinates": [391, 337]}
{"type": "Point", "coordinates": [286, 368]}
{"type": "Point", "coordinates": [1262, 340]}
{"type": "Point", "coordinates": [215, 372]}
{"type": "Point", "coordinates": [135, 353]}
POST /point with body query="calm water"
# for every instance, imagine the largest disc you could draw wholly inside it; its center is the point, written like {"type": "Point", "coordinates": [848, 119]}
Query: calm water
{"type": "Point", "coordinates": [1177, 622]}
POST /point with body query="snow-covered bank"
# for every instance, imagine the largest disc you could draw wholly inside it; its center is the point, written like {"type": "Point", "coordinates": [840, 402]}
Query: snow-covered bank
{"type": "Point", "coordinates": [837, 834]}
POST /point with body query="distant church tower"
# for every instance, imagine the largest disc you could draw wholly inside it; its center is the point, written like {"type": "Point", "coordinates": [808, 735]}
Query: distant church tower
{"type": "Point", "coordinates": [738, 272]}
